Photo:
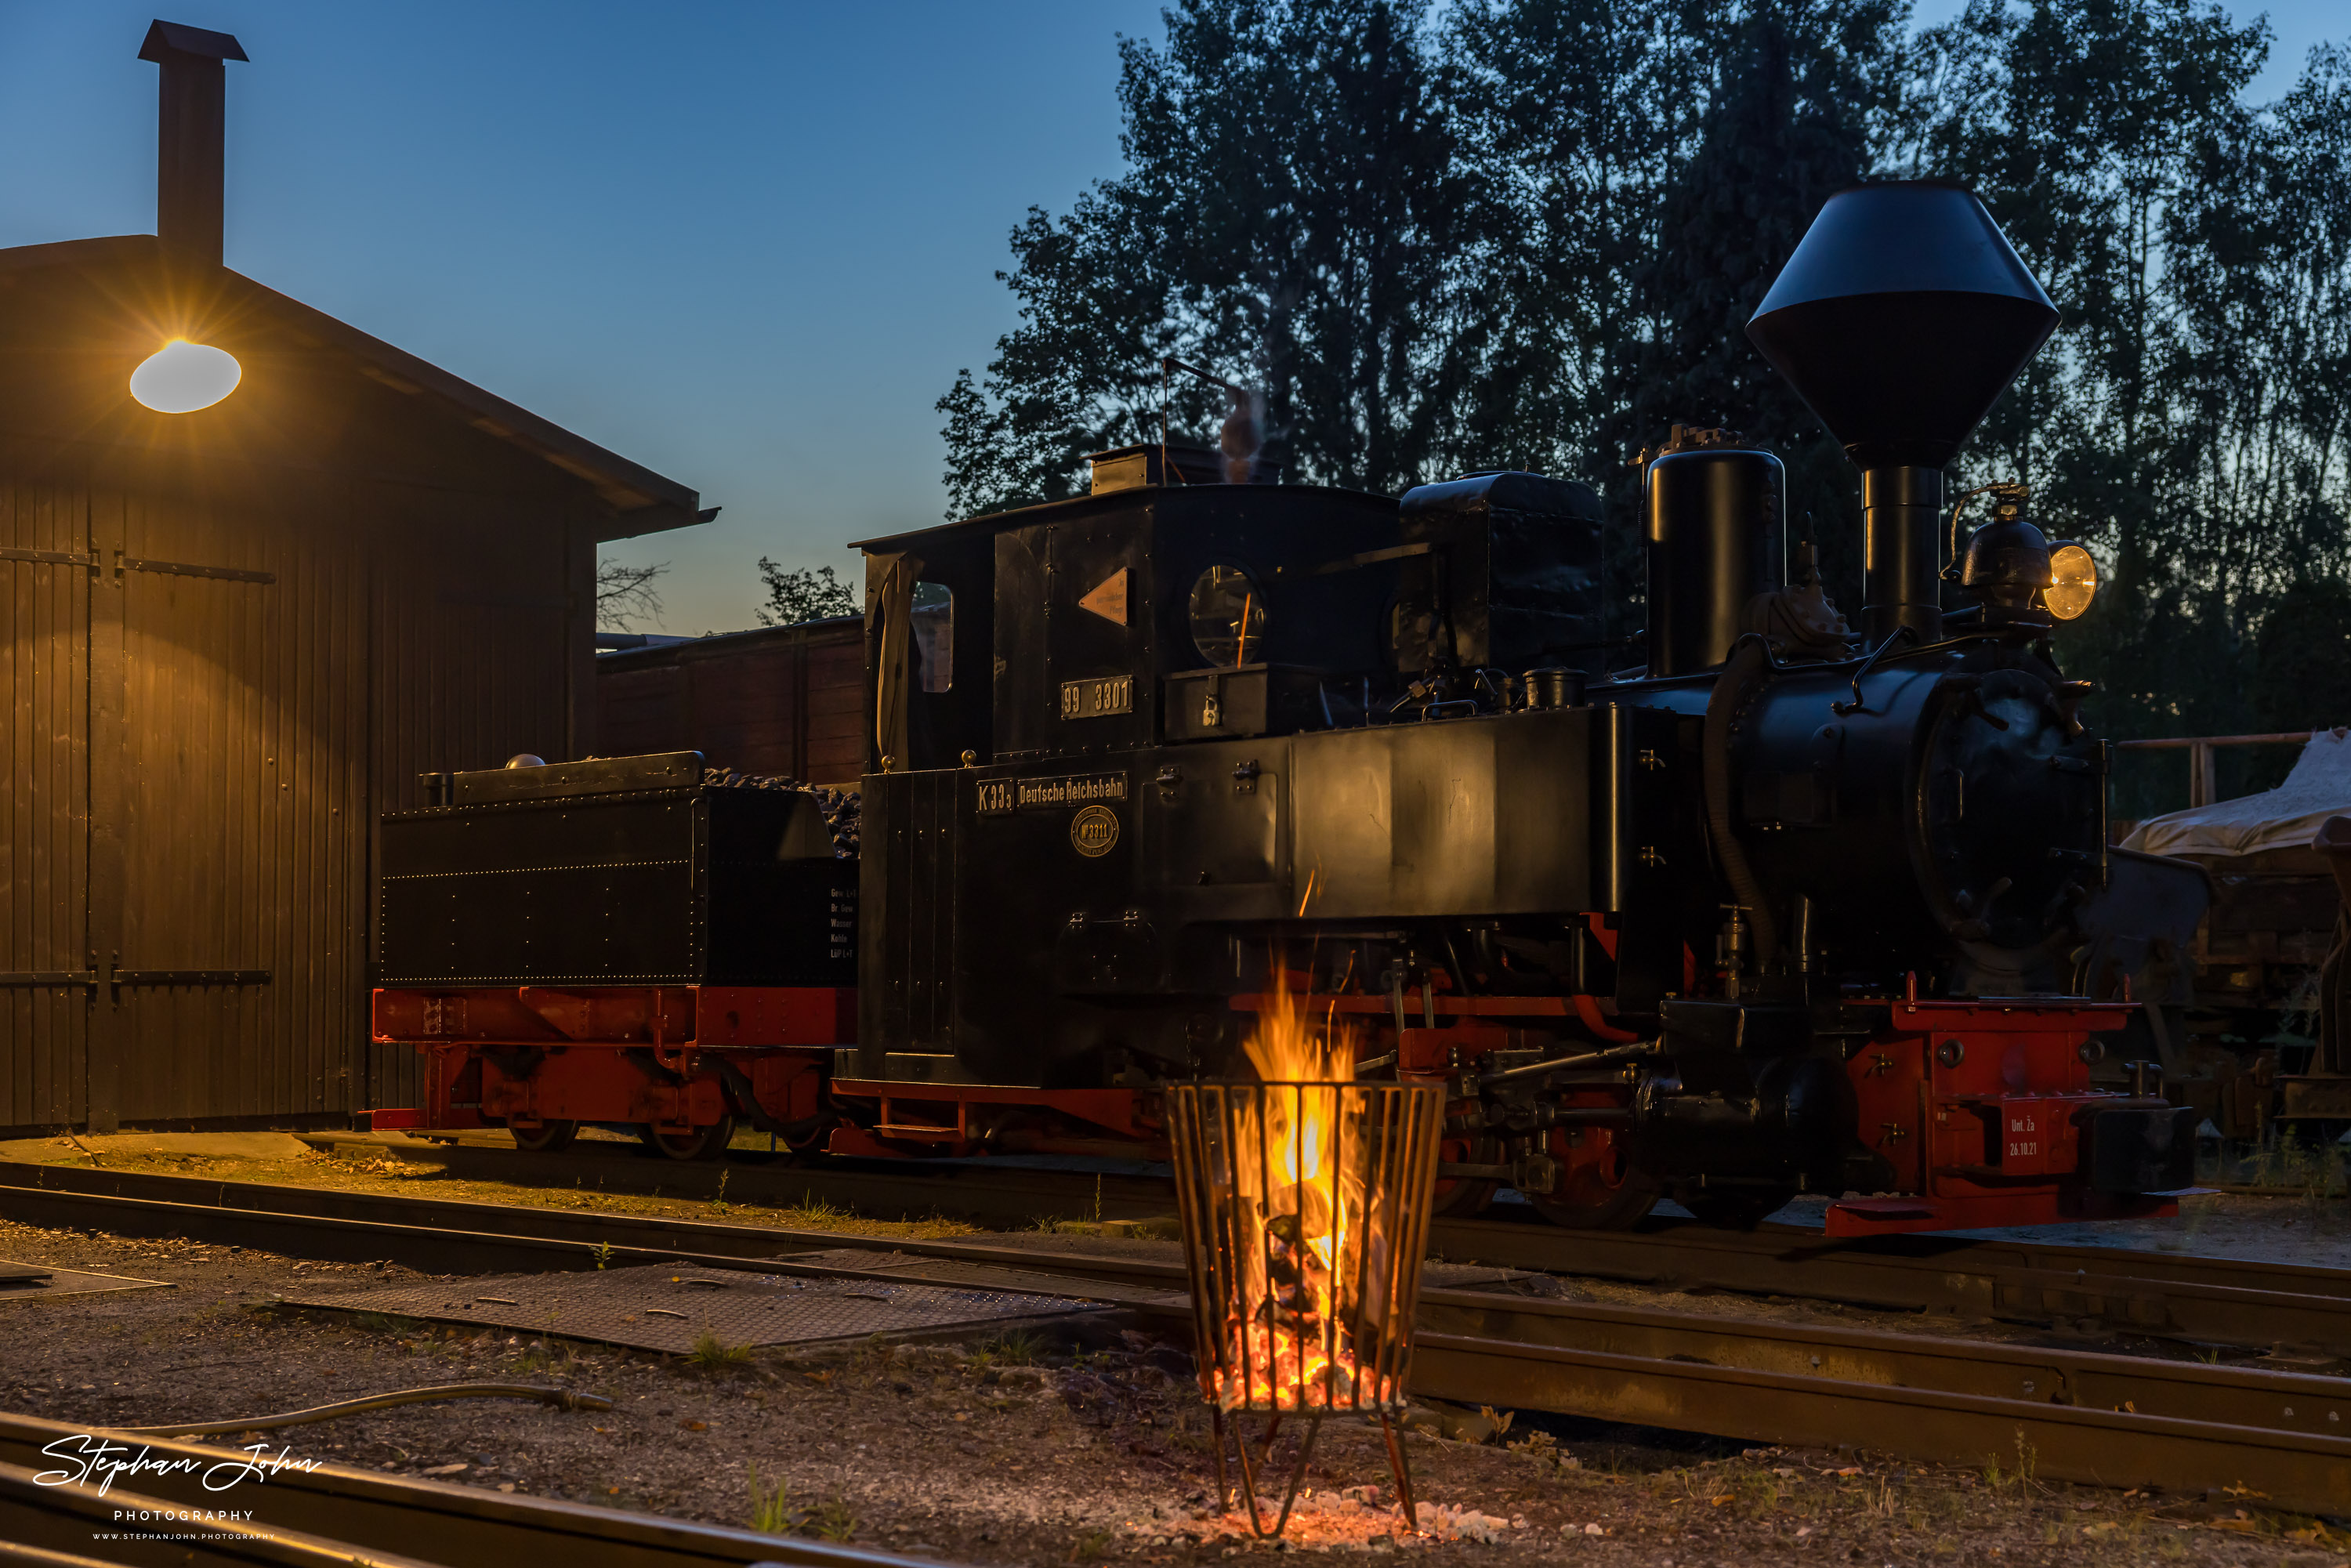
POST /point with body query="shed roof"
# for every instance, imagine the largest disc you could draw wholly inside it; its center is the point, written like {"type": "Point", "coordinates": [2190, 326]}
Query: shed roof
{"type": "Point", "coordinates": [132, 266]}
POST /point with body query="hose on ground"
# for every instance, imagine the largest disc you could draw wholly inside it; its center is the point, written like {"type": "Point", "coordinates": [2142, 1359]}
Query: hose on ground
{"type": "Point", "coordinates": [561, 1398]}
{"type": "Point", "coordinates": [1749, 666]}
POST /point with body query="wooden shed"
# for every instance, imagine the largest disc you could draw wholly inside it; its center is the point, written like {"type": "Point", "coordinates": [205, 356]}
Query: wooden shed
{"type": "Point", "coordinates": [235, 636]}
{"type": "Point", "coordinates": [787, 700]}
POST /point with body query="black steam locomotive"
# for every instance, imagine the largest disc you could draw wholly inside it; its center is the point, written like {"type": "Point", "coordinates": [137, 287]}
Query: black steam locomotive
{"type": "Point", "coordinates": [1791, 907]}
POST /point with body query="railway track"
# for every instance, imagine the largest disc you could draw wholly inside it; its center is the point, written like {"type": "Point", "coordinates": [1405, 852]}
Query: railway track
{"type": "Point", "coordinates": [335, 1517]}
{"type": "Point", "coordinates": [2083, 1415]}
{"type": "Point", "coordinates": [2202, 1300]}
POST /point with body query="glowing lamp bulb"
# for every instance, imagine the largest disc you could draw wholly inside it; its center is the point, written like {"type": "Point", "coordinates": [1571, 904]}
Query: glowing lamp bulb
{"type": "Point", "coordinates": [2073, 581]}
{"type": "Point", "coordinates": [182, 377]}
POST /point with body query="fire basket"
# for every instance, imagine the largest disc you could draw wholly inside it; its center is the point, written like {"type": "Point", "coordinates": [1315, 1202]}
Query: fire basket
{"type": "Point", "coordinates": [1305, 1210]}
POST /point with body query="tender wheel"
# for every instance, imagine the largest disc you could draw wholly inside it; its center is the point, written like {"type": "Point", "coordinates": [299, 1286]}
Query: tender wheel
{"type": "Point", "coordinates": [543, 1137]}
{"type": "Point", "coordinates": [1737, 1210]}
{"type": "Point", "coordinates": [1598, 1189]}
{"type": "Point", "coordinates": [702, 1143]}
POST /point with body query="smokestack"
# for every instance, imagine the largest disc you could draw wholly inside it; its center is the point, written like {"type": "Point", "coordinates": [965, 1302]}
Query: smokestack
{"type": "Point", "coordinates": [1901, 318]}
{"type": "Point", "coordinates": [191, 138]}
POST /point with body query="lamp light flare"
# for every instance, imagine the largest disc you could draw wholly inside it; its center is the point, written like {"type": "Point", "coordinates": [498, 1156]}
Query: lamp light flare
{"type": "Point", "coordinates": [182, 377]}
{"type": "Point", "coordinates": [2073, 581]}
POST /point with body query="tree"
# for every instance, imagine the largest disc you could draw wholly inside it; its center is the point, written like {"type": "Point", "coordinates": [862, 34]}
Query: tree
{"type": "Point", "coordinates": [1286, 218]}
{"type": "Point", "coordinates": [811, 594]}
{"type": "Point", "coordinates": [625, 592]}
{"type": "Point", "coordinates": [1798, 104]}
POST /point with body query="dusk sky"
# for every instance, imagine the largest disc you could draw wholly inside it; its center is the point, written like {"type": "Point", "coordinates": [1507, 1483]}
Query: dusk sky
{"type": "Point", "coordinates": [747, 246]}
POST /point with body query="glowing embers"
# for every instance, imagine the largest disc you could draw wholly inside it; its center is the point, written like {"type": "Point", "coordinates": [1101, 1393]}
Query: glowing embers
{"type": "Point", "coordinates": [182, 377]}
{"type": "Point", "coordinates": [1305, 1208]}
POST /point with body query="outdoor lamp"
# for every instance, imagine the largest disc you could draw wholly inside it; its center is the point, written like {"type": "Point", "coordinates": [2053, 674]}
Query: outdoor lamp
{"type": "Point", "coordinates": [2072, 580]}
{"type": "Point", "coordinates": [182, 377]}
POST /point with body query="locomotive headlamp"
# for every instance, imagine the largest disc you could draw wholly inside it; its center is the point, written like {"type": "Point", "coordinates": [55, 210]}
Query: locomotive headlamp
{"type": "Point", "coordinates": [2007, 562]}
{"type": "Point", "coordinates": [182, 377]}
{"type": "Point", "coordinates": [2072, 580]}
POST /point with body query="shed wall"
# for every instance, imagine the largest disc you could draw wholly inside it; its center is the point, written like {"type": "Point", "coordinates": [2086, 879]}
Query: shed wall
{"type": "Point", "coordinates": [196, 760]}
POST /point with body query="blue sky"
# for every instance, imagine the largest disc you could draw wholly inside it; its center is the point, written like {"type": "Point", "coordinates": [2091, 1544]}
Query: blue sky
{"type": "Point", "coordinates": [746, 245]}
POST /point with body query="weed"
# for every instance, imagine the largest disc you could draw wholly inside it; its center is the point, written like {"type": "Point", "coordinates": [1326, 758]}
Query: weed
{"type": "Point", "coordinates": [831, 1519]}
{"type": "Point", "coordinates": [386, 1322]}
{"type": "Point", "coordinates": [604, 1253]}
{"type": "Point", "coordinates": [772, 1511]}
{"type": "Point", "coordinates": [1093, 1544]}
{"type": "Point", "coordinates": [712, 1353]}
{"type": "Point", "coordinates": [813, 1214]}
{"type": "Point", "coordinates": [1098, 1196]}
{"type": "Point", "coordinates": [1013, 1347]}
{"type": "Point", "coordinates": [718, 1204]}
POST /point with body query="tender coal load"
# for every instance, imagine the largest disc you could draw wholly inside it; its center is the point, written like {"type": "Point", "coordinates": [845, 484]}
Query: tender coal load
{"type": "Point", "coordinates": [839, 805]}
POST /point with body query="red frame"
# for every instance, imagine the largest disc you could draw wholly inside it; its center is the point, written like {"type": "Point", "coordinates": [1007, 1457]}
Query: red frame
{"type": "Point", "coordinates": [1991, 1139]}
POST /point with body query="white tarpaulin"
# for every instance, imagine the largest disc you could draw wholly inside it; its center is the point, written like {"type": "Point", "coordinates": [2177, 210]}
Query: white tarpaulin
{"type": "Point", "coordinates": [2284, 818]}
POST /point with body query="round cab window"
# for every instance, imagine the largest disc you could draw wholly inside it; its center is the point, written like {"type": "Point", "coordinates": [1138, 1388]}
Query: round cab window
{"type": "Point", "coordinates": [1228, 616]}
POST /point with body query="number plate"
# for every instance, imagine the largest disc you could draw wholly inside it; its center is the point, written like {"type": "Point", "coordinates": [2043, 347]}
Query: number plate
{"type": "Point", "coordinates": [1098, 697]}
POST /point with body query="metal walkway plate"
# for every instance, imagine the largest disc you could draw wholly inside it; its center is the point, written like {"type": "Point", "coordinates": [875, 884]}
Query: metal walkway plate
{"type": "Point", "coordinates": [668, 1307]}
{"type": "Point", "coordinates": [39, 1281]}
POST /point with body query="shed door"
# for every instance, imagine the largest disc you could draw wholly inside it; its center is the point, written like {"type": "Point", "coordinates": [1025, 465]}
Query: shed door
{"type": "Point", "coordinates": [228, 714]}
{"type": "Point", "coordinates": [44, 581]}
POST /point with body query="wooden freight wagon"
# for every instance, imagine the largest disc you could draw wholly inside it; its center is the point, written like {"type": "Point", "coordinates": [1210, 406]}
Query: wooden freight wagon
{"type": "Point", "coordinates": [788, 701]}
{"type": "Point", "coordinates": [237, 632]}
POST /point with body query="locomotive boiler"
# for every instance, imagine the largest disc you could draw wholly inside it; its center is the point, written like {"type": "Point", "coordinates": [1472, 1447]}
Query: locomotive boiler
{"type": "Point", "coordinates": [1763, 901]}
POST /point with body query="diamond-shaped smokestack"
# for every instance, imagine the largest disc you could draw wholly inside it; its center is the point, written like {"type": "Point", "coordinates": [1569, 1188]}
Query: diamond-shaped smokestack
{"type": "Point", "coordinates": [1901, 318]}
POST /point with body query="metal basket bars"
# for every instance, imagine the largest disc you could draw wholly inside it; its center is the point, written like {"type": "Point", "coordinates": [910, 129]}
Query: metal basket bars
{"type": "Point", "coordinates": [1305, 1210]}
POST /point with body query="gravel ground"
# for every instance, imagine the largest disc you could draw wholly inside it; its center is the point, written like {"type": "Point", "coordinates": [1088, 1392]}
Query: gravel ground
{"type": "Point", "coordinates": [1086, 1443]}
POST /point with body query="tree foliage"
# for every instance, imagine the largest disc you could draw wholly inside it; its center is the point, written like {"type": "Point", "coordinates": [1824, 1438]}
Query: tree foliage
{"type": "Point", "coordinates": [809, 593]}
{"type": "Point", "coordinates": [1529, 232]}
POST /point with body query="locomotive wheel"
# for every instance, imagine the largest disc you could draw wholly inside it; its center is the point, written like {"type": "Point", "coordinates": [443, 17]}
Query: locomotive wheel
{"type": "Point", "coordinates": [702, 1143]}
{"type": "Point", "coordinates": [1598, 1189]}
{"type": "Point", "coordinates": [1737, 1210]}
{"type": "Point", "coordinates": [543, 1137]}
{"type": "Point", "coordinates": [1458, 1197]}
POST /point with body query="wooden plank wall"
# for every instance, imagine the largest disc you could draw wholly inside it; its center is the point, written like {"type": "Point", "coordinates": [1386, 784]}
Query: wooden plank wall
{"type": "Point", "coordinates": [233, 782]}
{"type": "Point", "coordinates": [784, 700]}
{"type": "Point", "coordinates": [44, 821]}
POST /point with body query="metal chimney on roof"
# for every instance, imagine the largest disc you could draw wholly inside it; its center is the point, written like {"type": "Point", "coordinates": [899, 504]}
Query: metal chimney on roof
{"type": "Point", "coordinates": [191, 138]}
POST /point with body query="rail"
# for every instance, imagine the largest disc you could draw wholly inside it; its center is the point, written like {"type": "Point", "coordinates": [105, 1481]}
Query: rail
{"type": "Point", "coordinates": [2091, 1417]}
{"type": "Point", "coordinates": [336, 1516]}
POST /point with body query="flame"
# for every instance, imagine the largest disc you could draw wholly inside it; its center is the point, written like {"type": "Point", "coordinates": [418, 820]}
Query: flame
{"type": "Point", "coordinates": [1314, 1256]}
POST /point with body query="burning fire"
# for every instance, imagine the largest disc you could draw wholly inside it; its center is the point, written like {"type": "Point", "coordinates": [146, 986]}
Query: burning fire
{"type": "Point", "coordinates": [1313, 1241]}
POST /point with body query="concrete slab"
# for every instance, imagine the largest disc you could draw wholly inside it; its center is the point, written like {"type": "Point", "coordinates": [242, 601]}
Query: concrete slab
{"type": "Point", "coordinates": [77, 1147]}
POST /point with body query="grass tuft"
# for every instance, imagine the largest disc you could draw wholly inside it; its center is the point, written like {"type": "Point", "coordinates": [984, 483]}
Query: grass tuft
{"type": "Point", "coordinates": [712, 1353]}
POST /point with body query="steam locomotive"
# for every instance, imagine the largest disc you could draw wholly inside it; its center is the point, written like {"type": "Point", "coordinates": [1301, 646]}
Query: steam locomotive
{"type": "Point", "coordinates": [1781, 906]}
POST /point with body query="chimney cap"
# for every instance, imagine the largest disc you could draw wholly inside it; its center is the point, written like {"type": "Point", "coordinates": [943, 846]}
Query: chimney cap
{"type": "Point", "coordinates": [177, 38]}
